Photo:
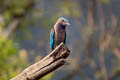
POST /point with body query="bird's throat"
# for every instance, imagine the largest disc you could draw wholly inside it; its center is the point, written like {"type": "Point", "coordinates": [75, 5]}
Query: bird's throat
{"type": "Point", "coordinates": [62, 27]}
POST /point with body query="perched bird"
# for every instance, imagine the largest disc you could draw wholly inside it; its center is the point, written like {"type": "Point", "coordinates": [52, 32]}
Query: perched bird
{"type": "Point", "coordinates": [58, 33]}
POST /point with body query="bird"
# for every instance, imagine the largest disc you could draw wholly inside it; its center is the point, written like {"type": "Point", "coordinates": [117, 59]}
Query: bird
{"type": "Point", "coordinates": [58, 32]}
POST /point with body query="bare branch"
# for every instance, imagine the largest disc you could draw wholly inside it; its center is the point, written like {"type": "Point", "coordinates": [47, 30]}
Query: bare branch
{"type": "Point", "coordinates": [12, 27]}
{"type": "Point", "coordinates": [116, 51]}
{"type": "Point", "coordinates": [115, 74]}
{"type": "Point", "coordinates": [48, 64]}
{"type": "Point", "coordinates": [17, 18]}
{"type": "Point", "coordinates": [102, 38]}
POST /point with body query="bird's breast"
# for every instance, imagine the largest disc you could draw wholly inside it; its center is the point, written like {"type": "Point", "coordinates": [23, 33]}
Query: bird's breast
{"type": "Point", "coordinates": [60, 35]}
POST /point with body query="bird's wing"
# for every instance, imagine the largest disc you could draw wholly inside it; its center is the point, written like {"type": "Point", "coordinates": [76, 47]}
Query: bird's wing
{"type": "Point", "coordinates": [52, 35]}
{"type": "Point", "coordinates": [65, 38]}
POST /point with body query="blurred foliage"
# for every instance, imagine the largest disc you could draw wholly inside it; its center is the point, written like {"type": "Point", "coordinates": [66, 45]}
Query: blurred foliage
{"type": "Point", "coordinates": [9, 59]}
{"type": "Point", "coordinates": [13, 8]}
{"type": "Point", "coordinates": [6, 47]}
{"type": "Point", "coordinates": [105, 1]}
{"type": "Point", "coordinates": [2, 22]}
{"type": "Point", "coordinates": [47, 77]}
{"type": "Point", "coordinates": [12, 59]}
{"type": "Point", "coordinates": [16, 7]}
{"type": "Point", "coordinates": [69, 9]}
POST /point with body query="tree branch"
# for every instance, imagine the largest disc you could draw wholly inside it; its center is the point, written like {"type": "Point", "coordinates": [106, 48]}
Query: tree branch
{"type": "Point", "coordinates": [48, 64]}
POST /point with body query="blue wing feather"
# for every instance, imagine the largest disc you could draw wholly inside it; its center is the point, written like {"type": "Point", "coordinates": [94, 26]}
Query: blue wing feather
{"type": "Point", "coordinates": [52, 34]}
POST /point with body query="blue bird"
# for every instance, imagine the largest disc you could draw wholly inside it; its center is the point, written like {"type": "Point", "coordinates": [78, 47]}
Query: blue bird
{"type": "Point", "coordinates": [58, 33]}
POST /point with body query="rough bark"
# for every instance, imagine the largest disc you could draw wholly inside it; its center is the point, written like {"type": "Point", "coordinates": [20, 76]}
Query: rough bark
{"type": "Point", "coordinates": [48, 64]}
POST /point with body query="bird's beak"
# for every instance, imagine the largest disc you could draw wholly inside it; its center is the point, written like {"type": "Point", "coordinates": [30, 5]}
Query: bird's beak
{"type": "Point", "coordinates": [68, 24]}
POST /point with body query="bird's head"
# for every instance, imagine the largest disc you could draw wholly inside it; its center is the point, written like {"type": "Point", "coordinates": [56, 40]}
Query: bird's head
{"type": "Point", "coordinates": [63, 21]}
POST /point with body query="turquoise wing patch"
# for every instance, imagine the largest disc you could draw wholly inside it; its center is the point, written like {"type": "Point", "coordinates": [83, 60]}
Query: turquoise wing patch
{"type": "Point", "coordinates": [52, 40]}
